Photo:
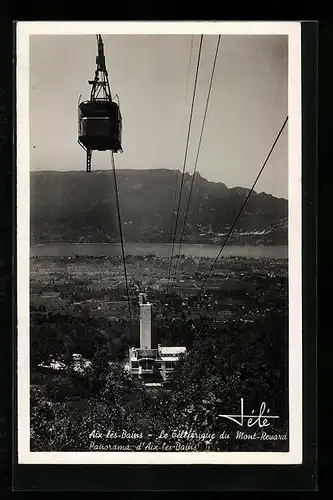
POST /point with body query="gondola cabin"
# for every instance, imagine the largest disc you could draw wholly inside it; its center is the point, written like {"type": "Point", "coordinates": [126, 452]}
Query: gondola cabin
{"type": "Point", "coordinates": [100, 125]}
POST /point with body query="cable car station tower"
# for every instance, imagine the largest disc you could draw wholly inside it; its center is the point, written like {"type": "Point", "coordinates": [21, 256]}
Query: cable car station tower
{"type": "Point", "coordinates": [100, 120]}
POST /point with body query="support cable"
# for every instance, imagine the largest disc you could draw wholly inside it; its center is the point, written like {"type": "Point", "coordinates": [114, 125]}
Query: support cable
{"type": "Point", "coordinates": [121, 237]}
{"type": "Point", "coordinates": [185, 157]}
{"type": "Point", "coordinates": [176, 187]}
{"type": "Point", "coordinates": [196, 159]}
{"type": "Point", "coordinates": [242, 208]}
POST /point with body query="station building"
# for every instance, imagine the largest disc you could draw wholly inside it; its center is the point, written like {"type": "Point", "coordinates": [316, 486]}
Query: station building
{"type": "Point", "coordinates": [147, 363]}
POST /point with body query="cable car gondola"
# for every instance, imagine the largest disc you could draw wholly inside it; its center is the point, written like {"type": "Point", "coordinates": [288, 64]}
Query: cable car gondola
{"type": "Point", "coordinates": [100, 121]}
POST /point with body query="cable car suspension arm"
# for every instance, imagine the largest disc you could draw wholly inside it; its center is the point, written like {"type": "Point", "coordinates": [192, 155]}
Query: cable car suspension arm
{"type": "Point", "coordinates": [101, 80]}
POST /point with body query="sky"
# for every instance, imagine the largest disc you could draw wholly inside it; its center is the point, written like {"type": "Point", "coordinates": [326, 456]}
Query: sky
{"type": "Point", "coordinates": [153, 75]}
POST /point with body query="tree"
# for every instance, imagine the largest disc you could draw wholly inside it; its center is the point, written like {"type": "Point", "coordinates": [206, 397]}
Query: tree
{"type": "Point", "coordinates": [226, 364]}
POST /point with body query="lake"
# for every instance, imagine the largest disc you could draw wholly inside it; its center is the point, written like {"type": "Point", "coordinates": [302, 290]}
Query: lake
{"type": "Point", "coordinates": [158, 249]}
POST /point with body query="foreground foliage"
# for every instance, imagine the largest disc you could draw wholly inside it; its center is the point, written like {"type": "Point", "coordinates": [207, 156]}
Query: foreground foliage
{"type": "Point", "coordinates": [223, 365]}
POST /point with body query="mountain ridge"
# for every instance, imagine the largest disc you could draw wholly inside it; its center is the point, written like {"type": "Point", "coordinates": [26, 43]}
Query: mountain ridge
{"type": "Point", "coordinates": [75, 206]}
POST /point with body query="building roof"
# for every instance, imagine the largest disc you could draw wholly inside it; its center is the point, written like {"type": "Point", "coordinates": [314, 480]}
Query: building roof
{"type": "Point", "coordinates": [163, 353]}
{"type": "Point", "coordinates": [53, 365]}
{"type": "Point", "coordinates": [171, 350]}
{"type": "Point", "coordinates": [168, 359]}
{"type": "Point", "coordinates": [145, 353]}
{"type": "Point", "coordinates": [50, 295]}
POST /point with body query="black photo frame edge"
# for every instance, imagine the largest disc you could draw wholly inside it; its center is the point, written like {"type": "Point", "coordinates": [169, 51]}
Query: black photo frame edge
{"type": "Point", "coordinates": [193, 477]}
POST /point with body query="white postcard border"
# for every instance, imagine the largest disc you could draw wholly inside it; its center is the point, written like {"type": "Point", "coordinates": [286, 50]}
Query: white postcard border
{"type": "Point", "coordinates": [293, 30]}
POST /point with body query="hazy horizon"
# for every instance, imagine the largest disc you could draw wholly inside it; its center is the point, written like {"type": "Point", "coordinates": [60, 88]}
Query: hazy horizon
{"type": "Point", "coordinates": [248, 104]}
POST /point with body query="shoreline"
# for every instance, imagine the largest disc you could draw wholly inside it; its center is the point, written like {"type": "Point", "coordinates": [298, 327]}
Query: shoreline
{"type": "Point", "coordinates": [211, 243]}
{"type": "Point", "coordinates": [158, 250]}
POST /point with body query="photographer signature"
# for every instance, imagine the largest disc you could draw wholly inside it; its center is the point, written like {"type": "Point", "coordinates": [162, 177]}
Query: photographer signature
{"type": "Point", "coordinates": [261, 419]}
